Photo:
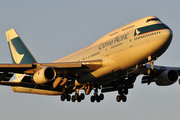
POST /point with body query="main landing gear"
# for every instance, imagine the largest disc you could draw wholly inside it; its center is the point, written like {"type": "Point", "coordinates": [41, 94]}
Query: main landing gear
{"type": "Point", "coordinates": [78, 97]}
{"type": "Point", "coordinates": [73, 98]}
{"type": "Point", "coordinates": [65, 97]}
{"type": "Point", "coordinates": [97, 97]}
{"type": "Point", "coordinates": [121, 87]}
{"type": "Point", "coordinates": [81, 97]}
{"type": "Point", "coordinates": [122, 95]}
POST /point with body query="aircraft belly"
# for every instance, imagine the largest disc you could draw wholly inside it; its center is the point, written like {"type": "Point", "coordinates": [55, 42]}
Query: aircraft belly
{"type": "Point", "coordinates": [108, 78]}
{"type": "Point", "coordinates": [35, 91]}
{"type": "Point", "coordinates": [109, 68]}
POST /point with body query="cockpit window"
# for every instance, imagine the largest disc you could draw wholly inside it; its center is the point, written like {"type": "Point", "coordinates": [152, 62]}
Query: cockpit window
{"type": "Point", "coordinates": [153, 19]}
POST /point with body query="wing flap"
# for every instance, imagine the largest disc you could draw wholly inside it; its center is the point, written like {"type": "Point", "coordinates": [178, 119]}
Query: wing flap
{"type": "Point", "coordinates": [5, 66]}
{"type": "Point", "coordinates": [5, 76]}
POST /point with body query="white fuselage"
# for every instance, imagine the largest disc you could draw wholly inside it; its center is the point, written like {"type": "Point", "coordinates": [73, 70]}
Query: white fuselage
{"type": "Point", "coordinates": [125, 47]}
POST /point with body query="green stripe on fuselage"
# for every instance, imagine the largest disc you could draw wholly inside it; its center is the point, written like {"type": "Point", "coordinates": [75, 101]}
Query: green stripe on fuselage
{"type": "Point", "coordinates": [150, 28]}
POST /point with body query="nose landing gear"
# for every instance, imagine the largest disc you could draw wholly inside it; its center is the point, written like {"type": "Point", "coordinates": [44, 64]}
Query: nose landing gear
{"type": "Point", "coordinates": [122, 95]}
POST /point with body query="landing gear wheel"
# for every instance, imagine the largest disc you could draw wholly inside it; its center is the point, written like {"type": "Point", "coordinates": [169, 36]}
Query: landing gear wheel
{"type": "Point", "coordinates": [124, 98]}
{"type": "Point", "coordinates": [63, 97]}
{"type": "Point", "coordinates": [96, 96]}
{"type": "Point", "coordinates": [79, 99]}
{"type": "Point", "coordinates": [76, 96]}
{"type": "Point", "coordinates": [92, 98]}
{"type": "Point", "coordinates": [101, 96]}
{"type": "Point", "coordinates": [82, 96]}
{"type": "Point", "coordinates": [118, 98]}
{"type": "Point", "coordinates": [98, 99]}
{"type": "Point", "coordinates": [68, 98]}
{"type": "Point", "coordinates": [73, 98]}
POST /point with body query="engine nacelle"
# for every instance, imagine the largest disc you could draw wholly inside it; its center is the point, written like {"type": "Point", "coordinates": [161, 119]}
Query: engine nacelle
{"type": "Point", "coordinates": [44, 75]}
{"type": "Point", "coordinates": [167, 77]}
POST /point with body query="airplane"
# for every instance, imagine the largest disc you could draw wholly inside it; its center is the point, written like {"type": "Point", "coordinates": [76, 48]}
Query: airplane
{"type": "Point", "coordinates": [112, 63]}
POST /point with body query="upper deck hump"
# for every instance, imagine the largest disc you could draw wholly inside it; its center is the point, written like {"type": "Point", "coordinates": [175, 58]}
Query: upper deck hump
{"type": "Point", "coordinates": [133, 25]}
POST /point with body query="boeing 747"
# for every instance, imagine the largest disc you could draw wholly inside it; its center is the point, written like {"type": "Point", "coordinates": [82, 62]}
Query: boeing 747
{"type": "Point", "coordinates": [112, 63]}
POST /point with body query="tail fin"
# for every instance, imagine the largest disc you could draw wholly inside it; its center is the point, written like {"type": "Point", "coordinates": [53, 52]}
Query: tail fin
{"type": "Point", "coordinates": [19, 52]}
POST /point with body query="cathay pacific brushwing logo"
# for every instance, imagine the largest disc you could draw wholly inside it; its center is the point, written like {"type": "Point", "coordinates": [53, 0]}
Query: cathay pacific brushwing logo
{"type": "Point", "coordinates": [16, 56]}
{"type": "Point", "coordinates": [136, 32]}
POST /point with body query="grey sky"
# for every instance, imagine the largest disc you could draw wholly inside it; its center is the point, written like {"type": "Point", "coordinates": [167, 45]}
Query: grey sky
{"type": "Point", "coordinates": [53, 29]}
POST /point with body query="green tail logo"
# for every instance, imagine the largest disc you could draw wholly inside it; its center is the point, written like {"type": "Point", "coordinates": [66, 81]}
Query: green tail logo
{"type": "Point", "coordinates": [19, 52]}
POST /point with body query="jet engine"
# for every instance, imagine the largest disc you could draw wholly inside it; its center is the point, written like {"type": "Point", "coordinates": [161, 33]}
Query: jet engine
{"type": "Point", "coordinates": [167, 77]}
{"type": "Point", "coordinates": [44, 75]}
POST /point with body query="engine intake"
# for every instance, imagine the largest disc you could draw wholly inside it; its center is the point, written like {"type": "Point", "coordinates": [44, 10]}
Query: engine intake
{"type": "Point", "coordinates": [44, 75]}
{"type": "Point", "coordinates": [167, 77]}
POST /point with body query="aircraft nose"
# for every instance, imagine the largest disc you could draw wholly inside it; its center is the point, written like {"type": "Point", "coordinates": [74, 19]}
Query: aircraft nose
{"type": "Point", "coordinates": [167, 34]}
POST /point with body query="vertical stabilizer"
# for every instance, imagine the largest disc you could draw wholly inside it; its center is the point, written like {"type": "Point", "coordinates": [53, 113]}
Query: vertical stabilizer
{"type": "Point", "coordinates": [19, 52]}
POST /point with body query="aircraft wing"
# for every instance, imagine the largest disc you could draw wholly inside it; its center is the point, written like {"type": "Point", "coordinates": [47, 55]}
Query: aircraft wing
{"type": "Point", "coordinates": [162, 75]}
{"type": "Point", "coordinates": [64, 68]}
{"type": "Point", "coordinates": [143, 69]}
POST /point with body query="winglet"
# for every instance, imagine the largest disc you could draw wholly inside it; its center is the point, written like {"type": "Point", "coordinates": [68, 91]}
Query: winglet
{"type": "Point", "coordinates": [19, 52]}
